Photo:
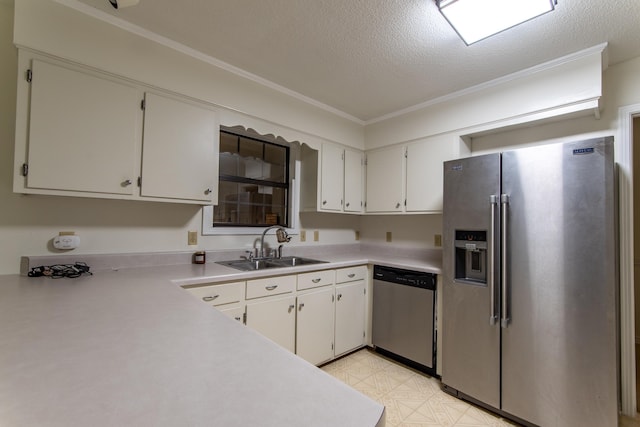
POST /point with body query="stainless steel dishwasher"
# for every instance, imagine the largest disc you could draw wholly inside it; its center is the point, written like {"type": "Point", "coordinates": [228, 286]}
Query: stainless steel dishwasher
{"type": "Point", "coordinates": [404, 316]}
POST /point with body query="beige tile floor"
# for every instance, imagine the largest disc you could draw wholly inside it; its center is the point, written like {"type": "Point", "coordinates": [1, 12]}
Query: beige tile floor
{"type": "Point", "coordinates": [411, 398]}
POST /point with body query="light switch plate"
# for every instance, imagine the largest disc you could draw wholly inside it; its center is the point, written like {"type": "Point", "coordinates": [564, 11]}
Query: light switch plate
{"type": "Point", "coordinates": [303, 235]}
{"type": "Point", "coordinates": [437, 240]}
{"type": "Point", "coordinates": [192, 238]}
{"type": "Point", "coordinates": [316, 236]}
{"type": "Point", "coordinates": [389, 237]}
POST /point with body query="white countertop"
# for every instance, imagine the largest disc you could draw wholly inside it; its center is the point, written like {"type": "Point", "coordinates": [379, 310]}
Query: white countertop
{"type": "Point", "coordinates": [130, 347]}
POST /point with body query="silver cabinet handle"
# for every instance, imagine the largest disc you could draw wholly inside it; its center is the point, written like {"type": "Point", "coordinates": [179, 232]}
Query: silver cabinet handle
{"type": "Point", "coordinates": [270, 288]}
{"type": "Point", "coordinates": [291, 307]}
{"type": "Point", "coordinates": [397, 205]}
{"type": "Point", "coordinates": [348, 204]}
{"type": "Point", "coordinates": [504, 321]}
{"type": "Point", "coordinates": [492, 251]}
{"type": "Point", "coordinates": [316, 280]}
{"type": "Point", "coordinates": [238, 318]}
{"type": "Point", "coordinates": [324, 202]}
{"type": "Point", "coordinates": [207, 191]}
{"type": "Point", "coordinates": [300, 306]}
{"type": "Point", "coordinates": [126, 182]}
{"type": "Point", "coordinates": [339, 297]}
{"type": "Point", "coordinates": [351, 276]}
{"type": "Point", "coordinates": [210, 298]}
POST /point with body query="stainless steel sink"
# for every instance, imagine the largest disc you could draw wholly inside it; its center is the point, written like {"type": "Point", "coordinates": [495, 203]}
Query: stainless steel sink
{"type": "Point", "coordinates": [263, 263]}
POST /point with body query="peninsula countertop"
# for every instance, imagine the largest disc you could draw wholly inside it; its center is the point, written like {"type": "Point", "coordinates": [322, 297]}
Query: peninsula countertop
{"type": "Point", "coordinates": [131, 347]}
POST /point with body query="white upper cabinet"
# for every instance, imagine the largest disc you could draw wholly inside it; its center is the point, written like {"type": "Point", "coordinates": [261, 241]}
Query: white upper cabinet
{"type": "Point", "coordinates": [353, 181]}
{"type": "Point", "coordinates": [408, 178]}
{"type": "Point", "coordinates": [179, 159]}
{"type": "Point", "coordinates": [424, 177]}
{"type": "Point", "coordinates": [83, 132]}
{"type": "Point", "coordinates": [332, 179]}
{"type": "Point", "coordinates": [385, 180]}
{"type": "Point", "coordinates": [79, 132]}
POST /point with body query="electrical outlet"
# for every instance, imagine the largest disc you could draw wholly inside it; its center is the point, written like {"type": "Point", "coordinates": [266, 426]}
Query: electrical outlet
{"type": "Point", "coordinates": [192, 238]}
{"type": "Point", "coordinates": [303, 235]}
{"type": "Point", "coordinates": [316, 236]}
{"type": "Point", "coordinates": [389, 237]}
{"type": "Point", "coordinates": [437, 239]}
{"type": "Point", "coordinates": [357, 235]}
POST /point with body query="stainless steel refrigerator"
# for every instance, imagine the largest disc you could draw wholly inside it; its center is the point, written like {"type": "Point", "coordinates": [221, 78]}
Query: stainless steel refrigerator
{"type": "Point", "coordinates": [530, 274]}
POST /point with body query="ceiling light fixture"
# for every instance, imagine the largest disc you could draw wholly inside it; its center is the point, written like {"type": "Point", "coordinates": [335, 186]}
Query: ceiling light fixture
{"type": "Point", "coordinates": [475, 20]}
{"type": "Point", "coordinates": [119, 4]}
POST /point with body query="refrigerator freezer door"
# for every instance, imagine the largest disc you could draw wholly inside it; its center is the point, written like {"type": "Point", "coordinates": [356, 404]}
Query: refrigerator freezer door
{"type": "Point", "coordinates": [559, 347]}
{"type": "Point", "coordinates": [471, 344]}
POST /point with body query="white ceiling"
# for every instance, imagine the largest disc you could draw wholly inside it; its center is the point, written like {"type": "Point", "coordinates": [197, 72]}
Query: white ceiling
{"type": "Point", "coordinates": [371, 58]}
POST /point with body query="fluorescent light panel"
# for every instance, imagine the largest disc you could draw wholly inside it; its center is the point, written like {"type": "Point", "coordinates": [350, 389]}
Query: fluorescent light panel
{"type": "Point", "coordinates": [475, 20]}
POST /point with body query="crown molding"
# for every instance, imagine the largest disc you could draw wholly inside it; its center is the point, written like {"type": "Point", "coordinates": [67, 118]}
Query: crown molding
{"type": "Point", "coordinates": [157, 38]}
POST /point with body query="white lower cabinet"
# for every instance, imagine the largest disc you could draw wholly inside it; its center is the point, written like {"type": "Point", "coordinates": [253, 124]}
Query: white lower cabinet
{"type": "Point", "coordinates": [315, 333]}
{"type": "Point", "coordinates": [350, 316]}
{"type": "Point", "coordinates": [235, 312]}
{"type": "Point", "coordinates": [275, 319]}
{"type": "Point", "coordinates": [318, 315]}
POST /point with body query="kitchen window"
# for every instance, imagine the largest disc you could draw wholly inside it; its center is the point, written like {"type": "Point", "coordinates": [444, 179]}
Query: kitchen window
{"type": "Point", "coordinates": [255, 184]}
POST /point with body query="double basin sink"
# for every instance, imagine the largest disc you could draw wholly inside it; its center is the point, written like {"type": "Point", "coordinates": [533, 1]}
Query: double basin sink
{"type": "Point", "coordinates": [265, 263]}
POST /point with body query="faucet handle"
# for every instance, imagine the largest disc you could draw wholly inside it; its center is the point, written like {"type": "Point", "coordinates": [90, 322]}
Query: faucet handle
{"type": "Point", "coordinates": [282, 235]}
{"type": "Point", "coordinates": [250, 254]}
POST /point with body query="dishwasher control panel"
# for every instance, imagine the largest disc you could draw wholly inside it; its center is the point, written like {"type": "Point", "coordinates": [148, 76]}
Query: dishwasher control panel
{"type": "Point", "coordinates": [405, 277]}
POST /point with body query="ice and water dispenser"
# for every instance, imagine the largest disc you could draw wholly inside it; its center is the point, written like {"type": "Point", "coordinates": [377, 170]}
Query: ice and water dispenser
{"type": "Point", "coordinates": [471, 257]}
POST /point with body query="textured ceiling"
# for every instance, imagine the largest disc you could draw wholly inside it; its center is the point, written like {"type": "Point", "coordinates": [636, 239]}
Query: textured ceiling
{"type": "Point", "coordinates": [371, 58]}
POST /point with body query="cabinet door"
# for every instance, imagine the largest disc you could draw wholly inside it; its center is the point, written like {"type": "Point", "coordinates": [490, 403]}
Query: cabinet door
{"type": "Point", "coordinates": [83, 132]}
{"type": "Point", "coordinates": [385, 180]}
{"type": "Point", "coordinates": [235, 312]}
{"type": "Point", "coordinates": [180, 150]}
{"type": "Point", "coordinates": [332, 178]}
{"type": "Point", "coordinates": [424, 177]}
{"type": "Point", "coordinates": [315, 317]}
{"type": "Point", "coordinates": [353, 181]}
{"type": "Point", "coordinates": [350, 316]}
{"type": "Point", "coordinates": [275, 319]}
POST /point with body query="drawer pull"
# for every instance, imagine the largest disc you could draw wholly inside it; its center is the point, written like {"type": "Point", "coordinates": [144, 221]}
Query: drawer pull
{"type": "Point", "coordinates": [351, 275]}
{"type": "Point", "coordinates": [211, 298]}
{"type": "Point", "coordinates": [291, 307]}
{"type": "Point", "coordinates": [339, 297]}
{"type": "Point", "coordinates": [316, 280]}
{"type": "Point", "coordinates": [300, 306]}
{"type": "Point", "coordinates": [270, 288]}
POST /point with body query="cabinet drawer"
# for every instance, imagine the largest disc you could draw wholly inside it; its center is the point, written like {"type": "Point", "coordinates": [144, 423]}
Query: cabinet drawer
{"type": "Point", "coordinates": [270, 286]}
{"type": "Point", "coordinates": [351, 273]}
{"type": "Point", "coordinates": [316, 279]}
{"type": "Point", "coordinates": [219, 294]}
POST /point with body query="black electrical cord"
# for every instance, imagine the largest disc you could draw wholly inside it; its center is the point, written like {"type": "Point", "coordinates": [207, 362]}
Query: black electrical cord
{"type": "Point", "coordinates": [58, 271]}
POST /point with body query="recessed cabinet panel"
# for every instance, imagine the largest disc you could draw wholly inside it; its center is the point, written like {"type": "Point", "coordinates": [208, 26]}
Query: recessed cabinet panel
{"type": "Point", "coordinates": [83, 131]}
{"type": "Point", "coordinates": [180, 156]}
{"type": "Point", "coordinates": [385, 180]}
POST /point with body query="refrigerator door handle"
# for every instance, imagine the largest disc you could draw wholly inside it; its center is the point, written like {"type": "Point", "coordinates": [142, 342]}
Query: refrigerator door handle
{"type": "Point", "coordinates": [491, 261]}
{"type": "Point", "coordinates": [504, 322]}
